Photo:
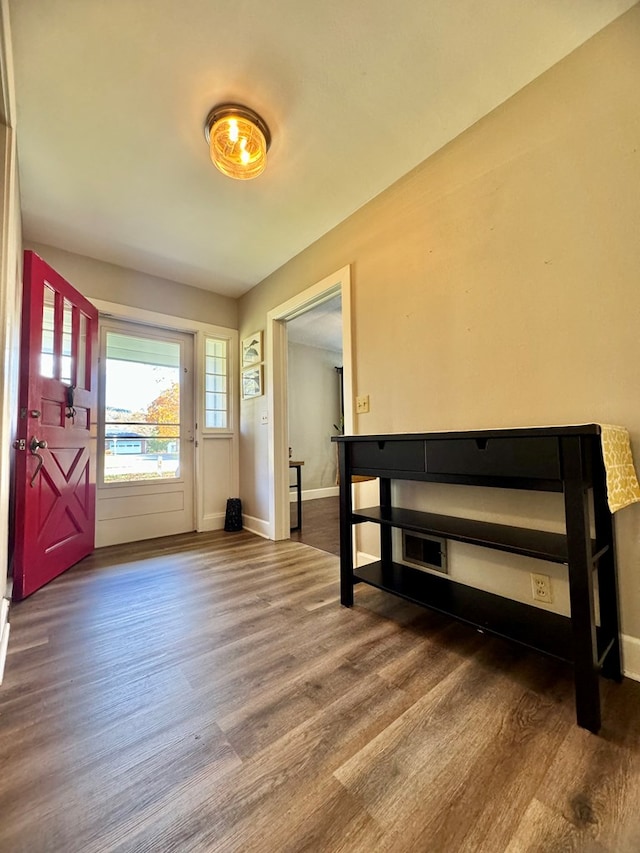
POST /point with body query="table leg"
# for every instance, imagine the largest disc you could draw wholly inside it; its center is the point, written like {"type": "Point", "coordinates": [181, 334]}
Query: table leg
{"type": "Point", "coordinates": [585, 651]}
{"type": "Point", "coordinates": [346, 531]}
{"type": "Point", "coordinates": [298, 487]}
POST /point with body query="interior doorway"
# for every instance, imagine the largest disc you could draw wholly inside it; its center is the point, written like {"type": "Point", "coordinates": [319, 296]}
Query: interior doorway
{"type": "Point", "coordinates": [316, 414]}
{"type": "Point", "coordinates": [336, 285]}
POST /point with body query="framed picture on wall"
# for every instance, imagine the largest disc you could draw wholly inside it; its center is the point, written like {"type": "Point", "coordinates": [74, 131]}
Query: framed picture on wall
{"type": "Point", "coordinates": [252, 349]}
{"type": "Point", "coordinates": [252, 382]}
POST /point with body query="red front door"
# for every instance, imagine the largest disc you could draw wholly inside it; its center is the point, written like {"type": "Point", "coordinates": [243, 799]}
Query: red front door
{"type": "Point", "coordinates": [55, 486]}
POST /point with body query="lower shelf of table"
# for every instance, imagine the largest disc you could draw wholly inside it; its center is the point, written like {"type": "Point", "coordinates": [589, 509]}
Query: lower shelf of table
{"type": "Point", "coordinates": [533, 627]}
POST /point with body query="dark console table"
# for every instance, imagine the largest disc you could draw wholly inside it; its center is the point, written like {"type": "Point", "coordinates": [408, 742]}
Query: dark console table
{"type": "Point", "coordinates": [556, 459]}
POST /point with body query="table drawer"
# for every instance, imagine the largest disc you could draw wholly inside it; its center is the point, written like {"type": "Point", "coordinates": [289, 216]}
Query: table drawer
{"type": "Point", "coordinates": [533, 458]}
{"type": "Point", "coordinates": [388, 455]}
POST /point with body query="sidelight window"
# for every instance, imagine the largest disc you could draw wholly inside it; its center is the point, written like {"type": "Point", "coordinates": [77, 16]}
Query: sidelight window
{"type": "Point", "coordinates": [216, 384]}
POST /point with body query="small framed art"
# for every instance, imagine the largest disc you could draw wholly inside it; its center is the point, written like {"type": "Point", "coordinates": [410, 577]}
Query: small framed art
{"type": "Point", "coordinates": [252, 382]}
{"type": "Point", "coordinates": [252, 349]}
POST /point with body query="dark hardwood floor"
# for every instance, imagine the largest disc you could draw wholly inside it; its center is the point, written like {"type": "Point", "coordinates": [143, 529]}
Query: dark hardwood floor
{"type": "Point", "coordinates": [208, 693]}
{"type": "Point", "coordinates": [320, 524]}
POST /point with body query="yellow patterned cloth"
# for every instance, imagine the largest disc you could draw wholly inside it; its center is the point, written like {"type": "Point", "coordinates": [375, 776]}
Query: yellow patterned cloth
{"type": "Point", "coordinates": [622, 482]}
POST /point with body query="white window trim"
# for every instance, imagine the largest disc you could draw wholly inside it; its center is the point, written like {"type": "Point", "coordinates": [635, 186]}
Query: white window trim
{"type": "Point", "coordinates": [118, 484]}
{"type": "Point", "coordinates": [204, 429]}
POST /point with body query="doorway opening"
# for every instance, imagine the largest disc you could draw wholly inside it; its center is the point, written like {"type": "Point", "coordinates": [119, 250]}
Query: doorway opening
{"type": "Point", "coordinates": [315, 407]}
{"type": "Point", "coordinates": [330, 288]}
{"type": "Point", "coordinates": [146, 433]}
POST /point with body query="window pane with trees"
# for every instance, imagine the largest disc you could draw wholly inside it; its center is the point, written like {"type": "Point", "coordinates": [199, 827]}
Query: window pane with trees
{"type": "Point", "coordinates": [142, 408]}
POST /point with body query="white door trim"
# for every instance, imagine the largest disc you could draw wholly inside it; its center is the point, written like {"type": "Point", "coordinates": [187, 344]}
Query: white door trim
{"type": "Point", "coordinates": [7, 84]}
{"type": "Point", "coordinates": [204, 518]}
{"type": "Point", "coordinates": [276, 364]}
{"type": "Point", "coordinates": [10, 301]}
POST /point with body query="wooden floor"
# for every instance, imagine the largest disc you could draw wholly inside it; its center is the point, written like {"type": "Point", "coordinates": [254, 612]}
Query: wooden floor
{"type": "Point", "coordinates": [208, 693]}
{"type": "Point", "coordinates": [320, 524]}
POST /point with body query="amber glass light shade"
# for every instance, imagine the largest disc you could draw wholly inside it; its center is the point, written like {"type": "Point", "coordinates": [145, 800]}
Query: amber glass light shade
{"type": "Point", "coordinates": [238, 141]}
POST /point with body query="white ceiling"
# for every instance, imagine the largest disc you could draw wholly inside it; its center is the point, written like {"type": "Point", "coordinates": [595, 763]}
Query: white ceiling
{"type": "Point", "coordinates": [112, 96]}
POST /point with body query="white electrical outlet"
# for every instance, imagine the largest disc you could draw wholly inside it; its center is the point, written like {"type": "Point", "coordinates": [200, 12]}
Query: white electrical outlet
{"type": "Point", "coordinates": [362, 404]}
{"type": "Point", "coordinates": [541, 588]}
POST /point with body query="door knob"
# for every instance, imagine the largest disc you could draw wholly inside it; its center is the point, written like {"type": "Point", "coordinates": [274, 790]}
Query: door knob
{"type": "Point", "coordinates": [34, 447]}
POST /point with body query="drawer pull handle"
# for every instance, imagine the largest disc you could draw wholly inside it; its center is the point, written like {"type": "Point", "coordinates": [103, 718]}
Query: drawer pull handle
{"type": "Point", "coordinates": [481, 443]}
{"type": "Point", "coordinates": [381, 445]}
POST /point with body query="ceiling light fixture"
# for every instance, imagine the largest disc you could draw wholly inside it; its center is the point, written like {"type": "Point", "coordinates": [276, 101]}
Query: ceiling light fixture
{"type": "Point", "coordinates": [238, 141]}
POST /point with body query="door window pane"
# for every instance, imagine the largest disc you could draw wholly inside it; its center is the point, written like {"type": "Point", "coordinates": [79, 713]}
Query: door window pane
{"type": "Point", "coordinates": [67, 328]}
{"type": "Point", "coordinates": [142, 408]}
{"type": "Point", "coordinates": [216, 394]}
{"type": "Point", "coordinates": [81, 378]}
{"type": "Point", "coordinates": [47, 362]}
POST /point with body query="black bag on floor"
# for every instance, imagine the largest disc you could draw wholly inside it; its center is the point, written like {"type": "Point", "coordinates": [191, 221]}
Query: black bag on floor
{"type": "Point", "coordinates": [233, 518]}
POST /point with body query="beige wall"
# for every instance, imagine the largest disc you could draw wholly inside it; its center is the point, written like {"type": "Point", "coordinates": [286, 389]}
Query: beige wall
{"type": "Point", "coordinates": [498, 284]}
{"type": "Point", "coordinates": [111, 283]}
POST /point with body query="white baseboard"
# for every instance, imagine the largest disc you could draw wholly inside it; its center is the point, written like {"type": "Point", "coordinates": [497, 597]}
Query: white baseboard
{"type": "Point", "coordinates": [362, 558]}
{"type": "Point", "coordinates": [314, 494]}
{"type": "Point", "coordinates": [256, 525]}
{"type": "Point", "coordinates": [5, 627]}
{"type": "Point", "coordinates": [212, 522]}
{"type": "Point", "coordinates": [631, 657]}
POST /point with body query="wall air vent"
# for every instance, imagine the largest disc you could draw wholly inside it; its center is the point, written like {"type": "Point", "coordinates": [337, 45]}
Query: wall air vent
{"type": "Point", "coordinates": [424, 552]}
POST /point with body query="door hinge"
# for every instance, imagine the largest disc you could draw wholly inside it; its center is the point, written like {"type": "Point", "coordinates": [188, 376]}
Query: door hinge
{"type": "Point", "coordinates": [20, 444]}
